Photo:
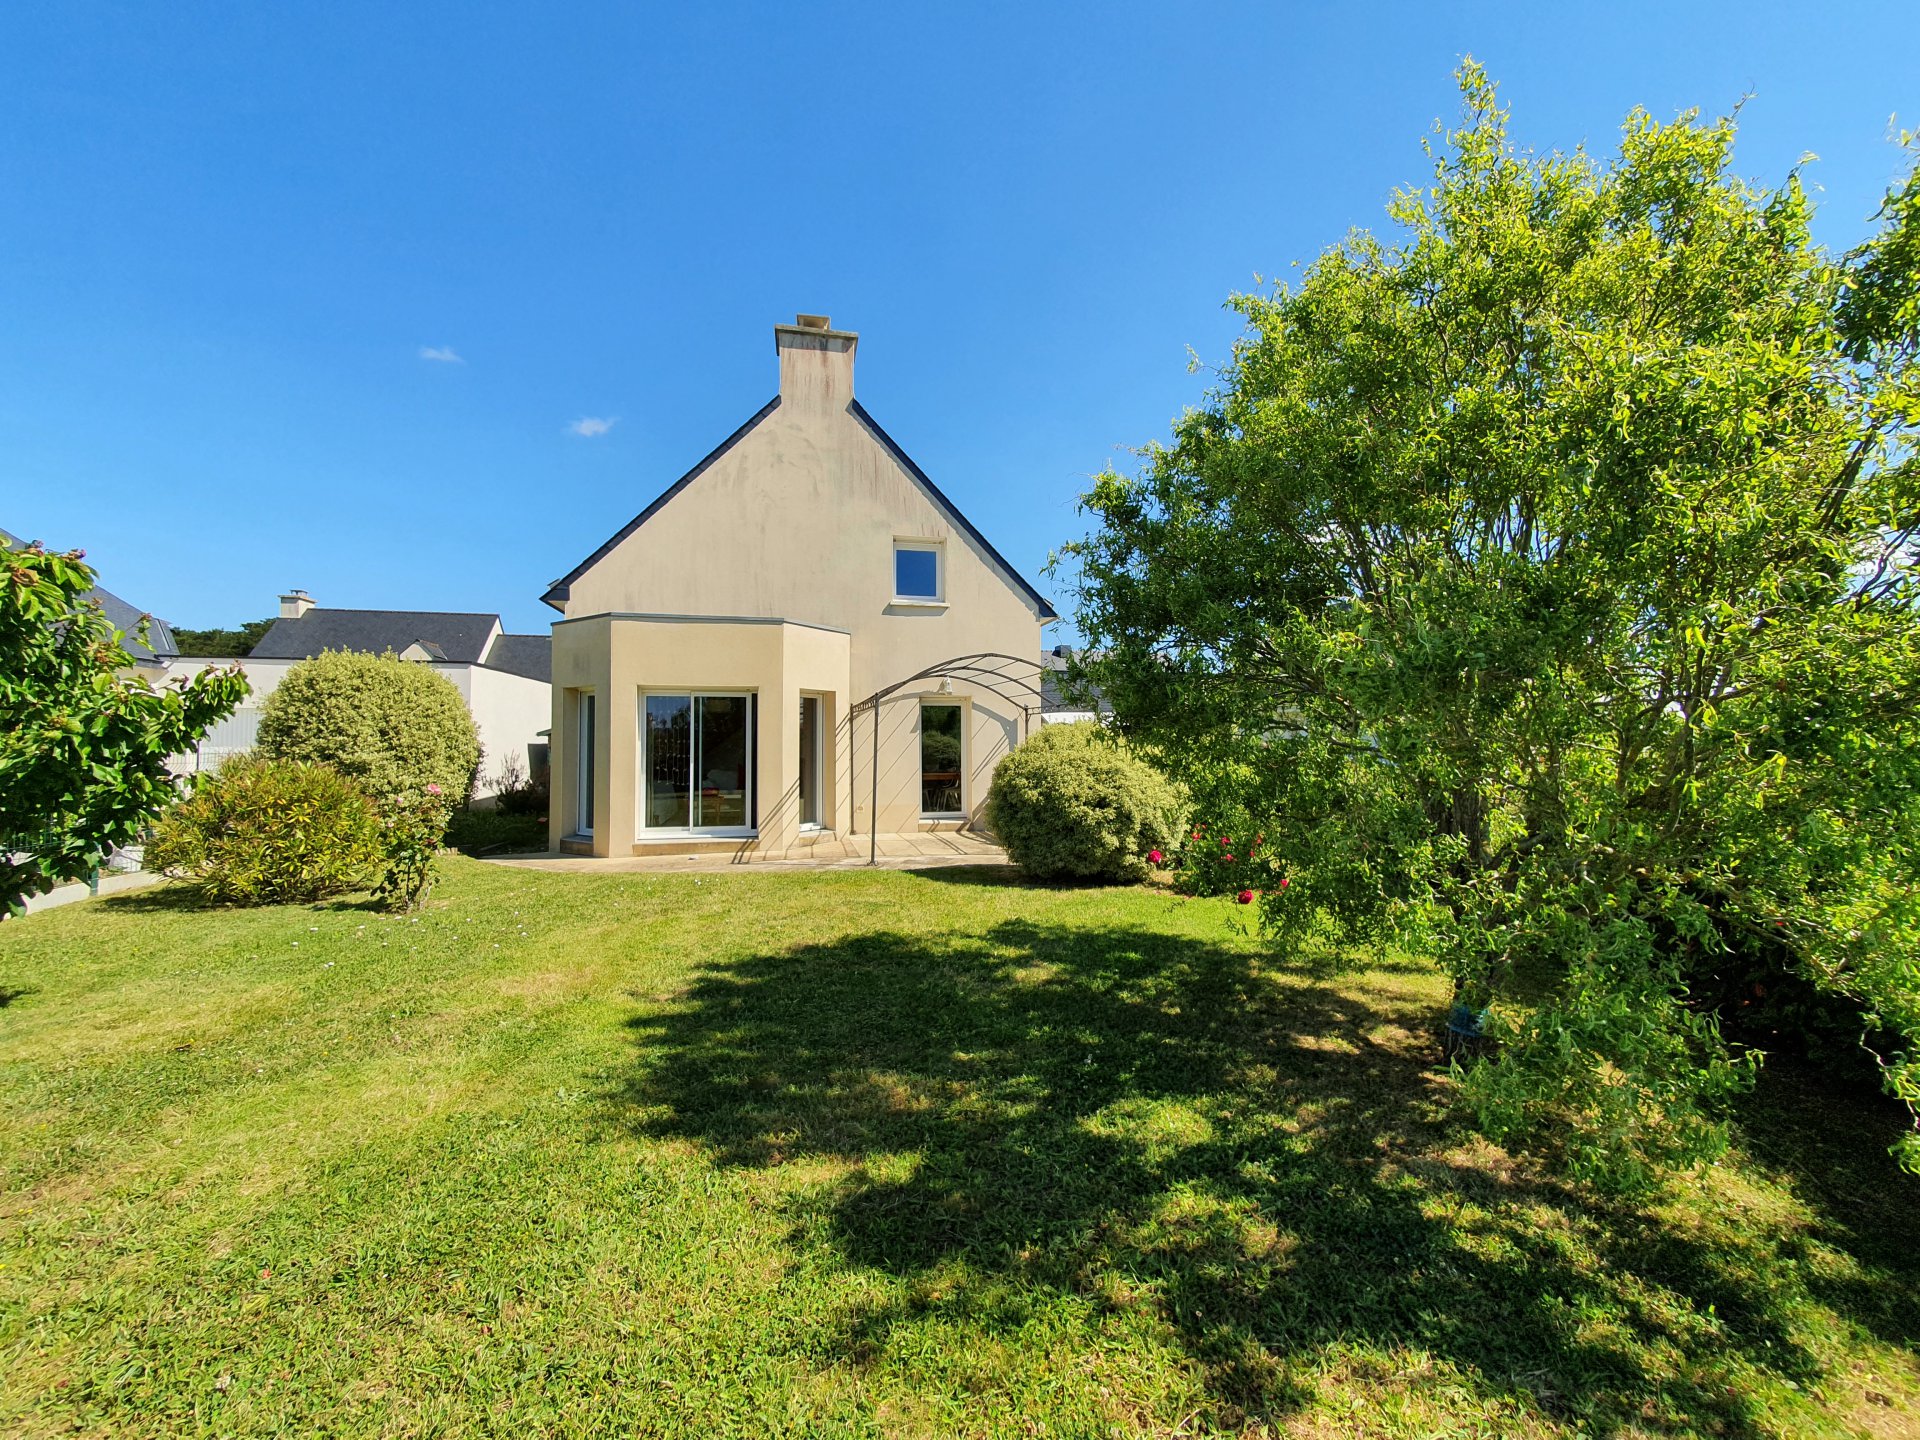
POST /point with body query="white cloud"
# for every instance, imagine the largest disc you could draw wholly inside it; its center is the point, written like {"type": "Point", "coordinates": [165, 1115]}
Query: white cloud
{"type": "Point", "coordinates": [445, 354]}
{"type": "Point", "coordinates": [592, 425]}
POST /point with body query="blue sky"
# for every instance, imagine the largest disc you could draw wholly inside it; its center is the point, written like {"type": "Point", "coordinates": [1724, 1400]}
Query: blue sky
{"type": "Point", "coordinates": [232, 237]}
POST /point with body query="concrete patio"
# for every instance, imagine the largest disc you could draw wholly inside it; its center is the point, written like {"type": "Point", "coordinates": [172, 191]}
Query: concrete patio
{"type": "Point", "coordinates": [932, 850]}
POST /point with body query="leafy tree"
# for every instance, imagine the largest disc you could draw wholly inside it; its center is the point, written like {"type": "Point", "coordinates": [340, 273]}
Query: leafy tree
{"type": "Point", "coordinates": [218, 643]}
{"type": "Point", "coordinates": [1540, 580]}
{"type": "Point", "coordinates": [84, 740]}
{"type": "Point", "coordinates": [387, 724]}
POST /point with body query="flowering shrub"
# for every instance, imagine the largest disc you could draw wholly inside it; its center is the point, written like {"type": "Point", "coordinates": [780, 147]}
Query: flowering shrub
{"type": "Point", "coordinates": [1210, 864]}
{"type": "Point", "coordinates": [269, 832]}
{"type": "Point", "coordinates": [412, 825]}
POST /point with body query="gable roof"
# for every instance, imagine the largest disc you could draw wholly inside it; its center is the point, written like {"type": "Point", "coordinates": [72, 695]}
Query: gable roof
{"type": "Point", "coordinates": [460, 637]}
{"type": "Point", "coordinates": [527, 655]}
{"type": "Point", "coordinates": [951, 510]}
{"type": "Point", "coordinates": [122, 616]}
{"type": "Point", "coordinates": [557, 593]}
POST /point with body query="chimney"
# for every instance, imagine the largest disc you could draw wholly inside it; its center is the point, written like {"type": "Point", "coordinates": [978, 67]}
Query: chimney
{"type": "Point", "coordinates": [816, 362]}
{"type": "Point", "coordinates": [293, 606]}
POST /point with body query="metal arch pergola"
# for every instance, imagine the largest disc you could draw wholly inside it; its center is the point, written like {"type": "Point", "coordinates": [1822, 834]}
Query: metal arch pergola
{"type": "Point", "coordinates": [986, 670]}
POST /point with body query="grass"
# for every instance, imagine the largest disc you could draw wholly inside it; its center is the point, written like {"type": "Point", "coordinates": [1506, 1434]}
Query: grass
{"type": "Point", "coordinates": [860, 1154]}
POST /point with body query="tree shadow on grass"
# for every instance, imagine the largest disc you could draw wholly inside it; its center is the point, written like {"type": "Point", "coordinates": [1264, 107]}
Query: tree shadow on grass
{"type": "Point", "coordinates": [1150, 1127]}
{"type": "Point", "coordinates": [178, 897]}
{"type": "Point", "coordinates": [168, 897]}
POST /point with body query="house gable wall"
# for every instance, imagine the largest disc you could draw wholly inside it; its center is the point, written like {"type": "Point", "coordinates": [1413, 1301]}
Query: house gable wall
{"type": "Point", "coordinates": [798, 520]}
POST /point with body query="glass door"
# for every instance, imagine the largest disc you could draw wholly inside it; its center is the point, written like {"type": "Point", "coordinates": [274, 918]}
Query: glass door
{"type": "Point", "coordinates": [698, 769]}
{"type": "Point", "coordinates": [669, 763]}
{"type": "Point", "coordinates": [810, 760]}
{"type": "Point", "coordinates": [583, 766]}
{"type": "Point", "coordinates": [940, 761]}
{"type": "Point", "coordinates": [722, 762]}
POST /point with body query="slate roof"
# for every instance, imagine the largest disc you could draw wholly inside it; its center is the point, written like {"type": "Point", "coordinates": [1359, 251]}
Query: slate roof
{"type": "Point", "coordinates": [528, 655]}
{"type": "Point", "coordinates": [1053, 696]}
{"type": "Point", "coordinates": [123, 616]}
{"type": "Point", "coordinates": [462, 638]}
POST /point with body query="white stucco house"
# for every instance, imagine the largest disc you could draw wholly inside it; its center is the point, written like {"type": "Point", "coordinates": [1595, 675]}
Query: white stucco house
{"type": "Point", "coordinates": [504, 678]}
{"type": "Point", "coordinates": [800, 637]}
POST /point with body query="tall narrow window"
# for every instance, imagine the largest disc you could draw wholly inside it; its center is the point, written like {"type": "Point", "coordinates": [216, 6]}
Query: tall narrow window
{"type": "Point", "coordinates": [810, 760]}
{"type": "Point", "coordinates": [941, 752]}
{"type": "Point", "coordinates": [584, 769]}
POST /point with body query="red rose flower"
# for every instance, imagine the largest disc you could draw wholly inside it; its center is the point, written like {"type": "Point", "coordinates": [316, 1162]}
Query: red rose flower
{"type": "Point", "coordinates": [1245, 897]}
{"type": "Point", "coordinates": [1283, 882]}
{"type": "Point", "coordinates": [1155, 856]}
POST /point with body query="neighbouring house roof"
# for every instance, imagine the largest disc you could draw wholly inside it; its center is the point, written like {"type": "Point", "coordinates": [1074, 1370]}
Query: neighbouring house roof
{"type": "Point", "coordinates": [126, 618]}
{"type": "Point", "coordinates": [556, 595]}
{"type": "Point", "coordinates": [1053, 694]}
{"type": "Point", "coordinates": [458, 637]}
{"type": "Point", "coordinates": [527, 655]}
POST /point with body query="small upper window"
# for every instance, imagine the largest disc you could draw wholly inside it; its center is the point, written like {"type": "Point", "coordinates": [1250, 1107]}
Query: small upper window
{"type": "Point", "coordinates": [916, 571]}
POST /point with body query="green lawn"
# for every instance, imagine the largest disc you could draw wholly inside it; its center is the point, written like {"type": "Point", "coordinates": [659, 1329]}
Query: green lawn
{"type": "Point", "coordinates": [859, 1153]}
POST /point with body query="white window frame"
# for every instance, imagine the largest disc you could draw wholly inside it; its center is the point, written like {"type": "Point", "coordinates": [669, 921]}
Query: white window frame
{"type": "Point", "coordinates": [937, 600]}
{"type": "Point", "coordinates": [920, 754]}
{"type": "Point", "coordinates": [586, 764]}
{"type": "Point", "coordinates": [698, 832]}
{"type": "Point", "coordinates": [819, 704]}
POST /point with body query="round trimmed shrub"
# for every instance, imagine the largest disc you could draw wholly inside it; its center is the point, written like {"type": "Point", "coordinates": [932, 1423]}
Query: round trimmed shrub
{"type": "Point", "coordinates": [269, 832]}
{"type": "Point", "coordinates": [1074, 803]}
{"type": "Point", "coordinates": [389, 725]}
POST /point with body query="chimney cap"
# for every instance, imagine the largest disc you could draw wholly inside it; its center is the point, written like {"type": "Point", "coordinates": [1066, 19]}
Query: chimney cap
{"type": "Point", "coordinates": [807, 331]}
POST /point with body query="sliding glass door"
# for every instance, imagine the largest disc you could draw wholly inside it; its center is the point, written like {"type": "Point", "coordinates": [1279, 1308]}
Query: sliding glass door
{"type": "Point", "coordinates": [698, 768]}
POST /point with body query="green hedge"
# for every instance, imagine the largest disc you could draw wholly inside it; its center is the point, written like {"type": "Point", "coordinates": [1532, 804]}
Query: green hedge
{"type": "Point", "coordinates": [1073, 803]}
{"type": "Point", "coordinates": [389, 725]}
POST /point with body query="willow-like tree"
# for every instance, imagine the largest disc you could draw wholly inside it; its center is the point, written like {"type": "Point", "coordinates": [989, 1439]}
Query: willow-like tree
{"type": "Point", "coordinates": [1539, 579]}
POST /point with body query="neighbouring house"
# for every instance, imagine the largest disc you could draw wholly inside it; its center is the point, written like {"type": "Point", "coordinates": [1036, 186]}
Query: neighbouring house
{"type": "Point", "coordinates": [1061, 705]}
{"type": "Point", "coordinates": [503, 678]}
{"type": "Point", "coordinates": [801, 637]}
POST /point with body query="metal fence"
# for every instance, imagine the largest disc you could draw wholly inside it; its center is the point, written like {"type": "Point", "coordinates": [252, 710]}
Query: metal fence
{"type": "Point", "coordinates": [234, 735]}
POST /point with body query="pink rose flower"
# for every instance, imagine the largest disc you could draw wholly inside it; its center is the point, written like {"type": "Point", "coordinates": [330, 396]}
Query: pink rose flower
{"type": "Point", "coordinates": [1155, 857]}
